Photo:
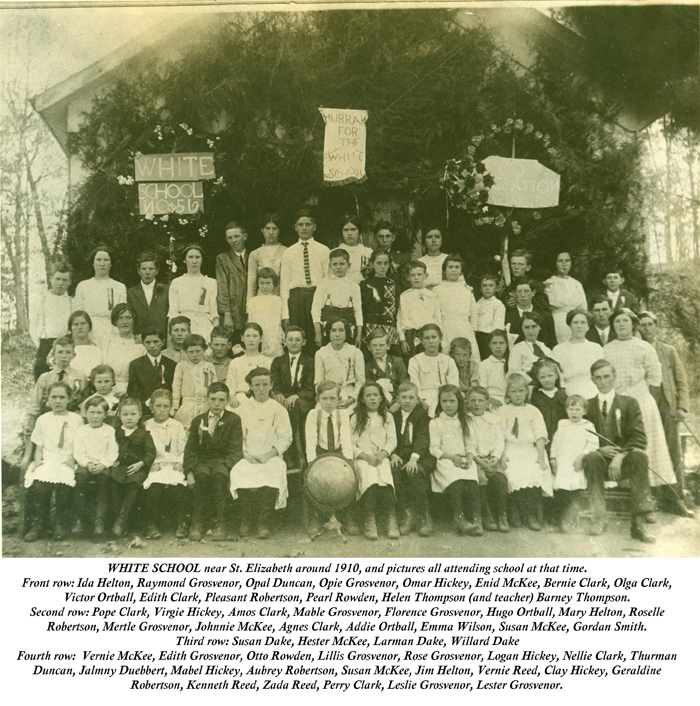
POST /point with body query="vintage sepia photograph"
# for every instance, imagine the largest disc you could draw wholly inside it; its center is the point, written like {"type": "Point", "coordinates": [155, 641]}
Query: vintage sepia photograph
{"type": "Point", "coordinates": [339, 281]}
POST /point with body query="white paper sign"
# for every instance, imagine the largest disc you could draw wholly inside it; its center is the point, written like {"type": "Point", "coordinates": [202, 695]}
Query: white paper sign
{"type": "Point", "coordinates": [522, 183]}
{"type": "Point", "coordinates": [344, 145]}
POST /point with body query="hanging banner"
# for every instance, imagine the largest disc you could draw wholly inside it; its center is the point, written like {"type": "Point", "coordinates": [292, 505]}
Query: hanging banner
{"type": "Point", "coordinates": [156, 198]}
{"type": "Point", "coordinates": [191, 166]}
{"type": "Point", "coordinates": [522, 183]}
{"type": "Point", "coordinates": [344, 146]}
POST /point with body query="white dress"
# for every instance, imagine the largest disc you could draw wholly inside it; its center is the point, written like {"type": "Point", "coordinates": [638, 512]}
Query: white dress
{"type": "Point", "coordinates": [565, 294]}
{"type": "Point", "coordinates": [194, 296]}
{"type": "Point", "coordinates": [430, 373]}
{"type": "Point", "coordinates": [169, 439]}
{"type": "Point", "coordinates": [266, 311]}
{"type": "Point", "coordinates": [378, 435]}
{"type": "Point", "coordinates": [238, 369]}
{"type": "Point", "coordinates": [99, 297]}
{"type": "Point", "coordinates": [571, 441]}
{"type": "Point", "coordinates": [492, 376]}
{"type": "Point", "coordinates": [86, 358]}
{"type": "Point", "coordinates": [57, 451]}
{"type": "Point", "coordinates": [434, 265]}
{"type": "Point", "coordinates": [447, 437]}
{"type": "Point", "coordinates": [522, 357]}
{"type": "Point", "coordinates": [576, 360]}
{"type": "Point", "coordinates": [265, 256]}
{"type": "Point", "coordinates": [118, 352]}
{"type": "Point", "coordinates": [456, 307]}
{"type": "Point", "coordinates": [190, 383]}
{"type": "Point", "coordinates": [345, 366]}
{"type": "Point", "coordinates": [265, 425]}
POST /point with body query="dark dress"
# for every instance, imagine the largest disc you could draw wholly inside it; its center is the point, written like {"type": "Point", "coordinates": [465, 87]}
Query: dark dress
{"type": "Point", "coordinates": [138, 446]}
{"type": "Point", "coordinates": [380, 307]}
{"type": "Point", "coordinates": [553, 409]}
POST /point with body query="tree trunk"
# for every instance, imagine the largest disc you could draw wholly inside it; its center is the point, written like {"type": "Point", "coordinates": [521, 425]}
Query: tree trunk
{"type": "Point", "coordinates": [36, 203]}
{"type": "Point", "coordinates": [668, 238]}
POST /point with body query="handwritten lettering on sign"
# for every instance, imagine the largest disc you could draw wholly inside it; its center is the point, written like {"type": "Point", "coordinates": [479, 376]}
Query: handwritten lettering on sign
{"type": "Point", "coordinates": [195, 166]}
{"type": "Point", "coordinates": [156, 198]}
{"type": "Point", "coordinates": [522, 183]}
{"type": "Point", "coordinates": [344, 148]}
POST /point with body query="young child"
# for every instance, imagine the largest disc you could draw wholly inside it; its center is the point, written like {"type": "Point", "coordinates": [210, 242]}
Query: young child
{"type": "Point", "coordinates": [338, 297]}
{"type": "Point", "coordinates": [525, 354]}
{"type": "Point", "coordinates": [166, 484]}
{"type": "Point", "coordinates": [260, 477]}
{"type": "Point", "coordinates": [380, 300]}
{"type": "Point", "coordinates": [461, 352]}
{"type": "Point", "coordinates": [485, 430]}
{"type": "Point", "coordinates": [231, 279]}
{"type": "Point", "coordinates": [265, 309]}
{"type": "Point", "coordinates": [488, 314]}
{"type": "Point", "coordinates": [136, 455]}
{"type": "Point", "coordinates": [95, 451]}
{"type": "Point", "coordinates": [219, 347]}
{"type": "Point", "coordinates": [214, 446]}
{"type": "Point", "coordinates": [520, 266]}
{"type": "Point", "coordinates": [618, 297]}
{"type": "Point", "coordinates": [269, 255]}
{"type": "Point", "coordinates": [411, 462]}
{"type": "Point", "coordinates": [191, 381]}
{"type": "Point", "coordinates": [152, 371]}
{"type": "Point", "coordinates": [49, 317]}
{"type": "Point", "coordinates": [418, 307]}
{"type": "Point", "coordinates": [431, 369]}
{"type": "Point", "coordinates": [575, 438]}
{"type": "Point", "coordinates": [178, 331]}
{"type": "Point", "coordinates": [387, 370]}
{"type": "Point", "coordinates": [493, 370]}
{"type": "Point", "coordinates": [547, 394]}
{"type": "Point", "coordinates": [240, 367]}
{"type": "Point", "coordinates": [101, 384]}
{"type": "Point", "coordinates": [53, 467]}
{"type": "Point", "coordinates": [527, 468]}
{"type": "Point", "coordinates": [341, 362]}
{"type": "Point", "coordinates": [374, 440]}
{"type": "Point", "coordinates": [359, 253]}
{"type": "Point", "coordinates": [456, 474]}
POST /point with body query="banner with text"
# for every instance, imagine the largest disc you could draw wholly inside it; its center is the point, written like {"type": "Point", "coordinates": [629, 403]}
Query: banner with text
{"type": "Point", "coordinates": [522, 183]}
{"type": "Point", "coordinates": [344, 148]}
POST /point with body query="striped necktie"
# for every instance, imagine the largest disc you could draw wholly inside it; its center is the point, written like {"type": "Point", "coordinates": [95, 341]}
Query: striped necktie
{"type": "Point", "coordinates": [307, 267]}
{"type": "Point", "coordinates": [62, 438]}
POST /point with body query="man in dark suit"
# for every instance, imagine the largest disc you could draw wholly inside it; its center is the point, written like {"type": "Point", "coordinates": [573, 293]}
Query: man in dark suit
{"type": "Point", "coordinates": [387, 370]}
{"type": "Point", "coordinates": [149, 299]}
{"type": "Point", "coordinates": [622, 452]}
{"type": "Point", "coordinates": [601, 310]}
{"type": "Point", "coordinates": [619, 298]}
{"type": "Point", "coordinates": [232, 280]}
{"type": "Point", "coordinates": [524, 294]}
{"type": "Point", "coordinates": [152, 371]}
{"type": "Point", "coordinates": [292, 376]}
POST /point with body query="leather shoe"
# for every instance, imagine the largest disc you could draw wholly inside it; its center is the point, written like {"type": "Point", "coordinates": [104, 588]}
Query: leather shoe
{"type": "Point", "coordinates": [650, 518]}
{"type": "Point", "coordinates": [639, 531]}
{"type": "Point", "coordinates": [597, 528]}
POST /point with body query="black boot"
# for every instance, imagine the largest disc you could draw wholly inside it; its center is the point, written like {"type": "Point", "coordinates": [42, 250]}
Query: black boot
{"type": "Point", "coordinates": [389, 502]}
{"type": "Point", "coordinates": [455, 491]}
{"type": "Point", "coordinates": [369, 508]}
{"type": "Point", "coordinates": [487, 518]}
{"type": "Point", "coordinates": [221, 492]}
{"type": "Point", "coordinates": [267, 500]}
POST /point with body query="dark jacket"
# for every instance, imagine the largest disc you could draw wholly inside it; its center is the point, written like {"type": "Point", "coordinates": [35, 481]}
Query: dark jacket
{"type": "Point", "coordinates": [396, 372]}
{"type": "Point", "coordinates": [138, 446]}
{"type": "Point", "coordinates": [153, 315]}
{"type": "Point", "coordinates": [623, 425]}
{"type": "Point", "coordinates": [232, 286]}
{"type": "Point", "coordinates": [626, 300]}
{"type": "Point", "coordinates": [553, 409]}
{"type": "Point", "coordinates": [539, 301]}
{"type": "Point", "coordinates": [377, 296]}
{"type": "Point", "coordinates": [226, 445]}
{"type": "Point", "coordinates": [144, 378]}
{"type": "Point", "coordinates": [281, 376]}
{"type": "Point", "coordinates": [592, 335]}
{"type": "Point", "coordinates": [547, 333]}
{"type": "Point", "coordinates": [419, 431]}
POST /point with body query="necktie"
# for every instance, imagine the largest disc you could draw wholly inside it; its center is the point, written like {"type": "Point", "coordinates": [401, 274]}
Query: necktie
{"type": "Point", "coordinates": [292, 363]}
{"type": "Point", "coordinates": [62, 438]}
{"type": "Point", "coordinates": [604, 337]}
{"type": "Point", "coordinates": [516, 428]}
{"type": "Point", "coordinates": [307, 268]}
{"type": "Point", "coordinates": [406, 433]}
{"type": "Point", "coordinates": [604, 411]}
{"type": "Point", "coordinates": [538, 351]}
{"type": "Point", "coordinates": [330, 434]}
{"type": "Point", "coordinates": [61, 375]}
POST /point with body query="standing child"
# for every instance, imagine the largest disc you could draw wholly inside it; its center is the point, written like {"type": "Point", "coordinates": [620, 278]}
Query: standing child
{"type": "Point", "coordinates": [525, 354]}
{"type": "Point", "coordinates": [95, 451]}
{"type": "Point", "coordinates": [136, 454]}
{"type": "Point", "coordinates": [265, 309]}
{"type": "Point", "coordinates": [385, 236]}
{"type": "Point", "coordinates": [101, 384]}
{"type": "Point", "coordinates": [149, 299]}
{"type": "Point", "coordinates": [352, 244]}
{"type": "Point", "coordinates": [240, 367]}
{"type": "Point", "coordinates": [191, 380]}
{"type": "Point", "coordinates": [493, 370]}
{"type": "Point", "coordinates": [178, 331]}
{"type": "Point", "coordinates": [380, 300]}
{"type": "Point", "coordinates": [618, 297]}
{"type": "Point", "coordinates": [431, 369]}
{"type": "Point", "coordinates": [434, 258]}
{"type": "Point", "coordinates": [575, 437]}
{"type": "Point", "coordinates": [529, 476]}
{"type": "Point", "coordinates": [411, 462]}
{"type": "Point", "coordinates": [456, 474]}
{"type": "Point", "coordinates": [374, 440]}
{"type": "Point", "coordinates": [461, 352]}
{"type": "Point", "coordinates": [547, 394]}
{"type": "Point", "coordinates": [166, 484]}
{"type": "Point", "coordinates": [260, 477]}
{"type": "Point", "coordinates": [231, 279]}
{"type": "Point", "coordinates": [53, 467]}
{"type": "Point", "coordinates": [219, 346]}
{"type": "Point", "coordinates": [520, 266]}
{"type": "Point", "coordinates": [214, 446]}
{"type": "Point", "coordinates": [152, 371]}
{"type": "Point", "coordinates": [269, 255]}
{"type": "Point", "coordinates": [418, 307]}
{"type": "Point", "coordinates": [387, 370]}
{"type": "Point", "coordinates": [488, 314]}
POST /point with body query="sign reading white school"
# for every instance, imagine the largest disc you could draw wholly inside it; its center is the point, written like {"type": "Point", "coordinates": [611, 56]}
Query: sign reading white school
{"type": "Point", "coordinates": [522, 183]}
{"type": "Point", "coordinates": [344, 146]}
{"type": "Point", "coordinates": [172, 183]}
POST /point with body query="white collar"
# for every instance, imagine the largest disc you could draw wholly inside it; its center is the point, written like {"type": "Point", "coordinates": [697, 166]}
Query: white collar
{"type": "Point", "coordinates": [502, 361]}
{"type": "Point", "coordinates": [405, 414]}
{"type": "Point", "coordinates": [549, 393]}
{"type": "Point", "coordinates": [310, 240]}
{"type": "Point", "coordinates": [602, 330]}
{"type": "Point", "coordinates": [382, 361]}
{"type": "Point", "coordinates": [608, 397]}
{"type": "Point", "coordinates": [522, 311]}
{"type": "Point", "coordinates": [148, 286]}
{"type": "Point", "coordinates": [154, 360]}
{"type": "Point", "coordinates": [129, 432]}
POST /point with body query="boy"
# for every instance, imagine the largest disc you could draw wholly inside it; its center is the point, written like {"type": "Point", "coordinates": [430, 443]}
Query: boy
{"type": "Point", "coordinates": [358, 253]}
{"type": "Point", "coordinates": [601, 310]}
{"type": "Point", "coordinates": [49, 319]}
{"type": "Point", "coordinates": [149, 299]}
{"type": "Point", "coordinates": [524, 291]}
{"type": "Point", "coordinates": [232, 279]}
{"type": "Point", "coordinates": [292, 375]}
{"type": "Point", "coordinates": [338, 297]}
{"type": "Point", "coordinates": [219, 347]}
{"type": "Point", "coordinates": [178, 331]}
{"type": "Point", "coordinates": [417, 307]}
{"type": "Point", "coordinates": [619, 298]}
{"type": "Point", "coordinates": [488, 314]}
{"type": "Point", "coordinates": [411, 462]}
{"type": "Point", "coordinates": [152, 371]}
{"type": "Point", "coordinates": [214, 446]}
{"type": "Point", "coordinates": [385, 237]}
{"type": "Point", "coordinates": [520, 266]}
{"type": "Point", "coordinates": [387, 370]}
{"type": "Point", "coordinates": [260, 477]}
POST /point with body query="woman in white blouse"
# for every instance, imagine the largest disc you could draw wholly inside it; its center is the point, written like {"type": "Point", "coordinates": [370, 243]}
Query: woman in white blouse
{"type": "Point", "coordinates": [268, 255]}
{"type": "Point", "coordinates": [565, 294]}
{"type": "Point", "coordinates": [88, 354]}
{"type": "Point", "coordinates": [122, 346]}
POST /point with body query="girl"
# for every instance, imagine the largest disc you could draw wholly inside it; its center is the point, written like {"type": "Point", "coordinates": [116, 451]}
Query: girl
{"type": "Point", "coordinates": [525, 354]}
{"type": "Point", "coordinates": [461, 352]}
{"type": "Point", "coordinates": [191, 380]}
{"type": "Point", "coordinates": [136, 455]}
{"type": "Point", "coordinates": [166, 477]}
{"type": "Point", "coordinates": [433, 258]}
{"type": "Point", "coordinates": [269, 255]}
{"type": "Point", "coordinates": [340, 362]}
{"type": "Point", "coordinates": [527, 468]}
{"type": "Point", "coordinates": [431, 369]}
{"type": "Point", "coordinates": [575, 437]}
{"type": "Point", "coordinates": [352, 243]}
{"type": "Point", "coordinates": [455, 473]}
{"type": "Point", "coordinates": [122, 347]}
{"type": "Point", "coordinates": [493, 370]}
{"type": "Point", "coordinates": [380, 301]}
{"type": "Point", "coordinates": [240, 367]}
{"type": "Point", "coordinates": [565, 294]}
{"type": "Point", "coordinates": [53, 467]}
{"type": "Point", "coordinates": [265, 309]}
{"type": "Point", "coordinates": [547, 394]}
{"type": "Point", "coordinates": [373, 440]}
{"type": "Point", "coordinates": [101, 383]}
{"type": "Point", "coordinates": [193, 295]}
{"type": "Point", "coordinates": [87, 353]}
{"type": "Point", "coordinates": [456, 303]}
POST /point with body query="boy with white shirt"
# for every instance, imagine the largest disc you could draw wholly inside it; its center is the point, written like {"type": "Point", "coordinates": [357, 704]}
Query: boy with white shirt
{"type": "Point", "coordinates": [418, 306]}
{"type": "Point", "coordinates": [601, 309]}
{"type": "Point", "coordinates": [619, 298]}
{"type": "Point", "coordinates": [149, 299]}
{"type": "Point", "coordinates": [488, 314]}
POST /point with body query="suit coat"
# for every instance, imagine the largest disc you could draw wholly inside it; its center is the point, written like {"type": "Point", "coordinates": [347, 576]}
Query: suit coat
{"type": "Point", "coordinates": [153, 315]}
{"type": "Point", "coordinates": [225, 446]}
{"type": "Point", "coordinates": [547, 332]}
{"type": "Point", "coordinates": [232, 286]}
{"type": "Point", "coordinates": [626, 300]}
{"type": "Point", "coordinates": [420, 433]}
{"type": "Point", "coordinates": [592, 335]}
{"type": "Point", "coordinates": [623, 425]}
{"type": "Point", "coordinates": [539, 301]}
{"type": "Point", "coordinates": [281, 376]}
{"type": "Point", "coordinates": [674, 381]}
{"type": "Point", "coordinates": [396, 372]}
{"type": "Point", "coordinates": [144, 379]}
